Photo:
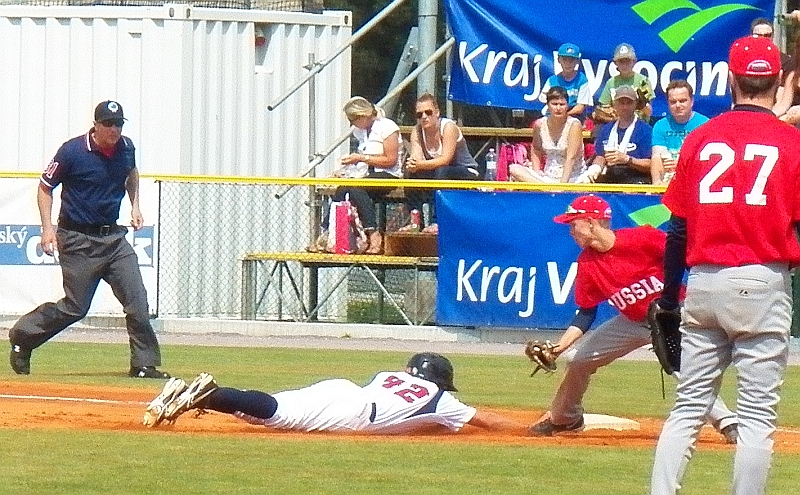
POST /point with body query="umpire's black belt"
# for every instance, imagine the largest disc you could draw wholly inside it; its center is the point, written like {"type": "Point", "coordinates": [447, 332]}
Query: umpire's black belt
{"type": "Point", "coordinates": [88, 229]}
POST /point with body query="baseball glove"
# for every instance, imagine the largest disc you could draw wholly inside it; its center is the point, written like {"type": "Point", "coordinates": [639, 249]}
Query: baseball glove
{"type": "Point", "coordinates": [543, 355]}
{"type": "Point", "coordinates": [666, 336]}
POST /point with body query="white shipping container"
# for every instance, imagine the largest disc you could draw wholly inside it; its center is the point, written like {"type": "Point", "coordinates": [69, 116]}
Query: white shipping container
{"type": "Point", "coordinates": [194, 84]}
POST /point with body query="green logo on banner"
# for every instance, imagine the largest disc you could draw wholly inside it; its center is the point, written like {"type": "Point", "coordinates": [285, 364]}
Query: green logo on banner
{"type": "Point", "coordinates": [652, 215]}
{"type": "Point", "coordinates": [676, 35]}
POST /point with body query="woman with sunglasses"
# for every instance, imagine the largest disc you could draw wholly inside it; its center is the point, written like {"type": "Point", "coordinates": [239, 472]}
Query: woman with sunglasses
{"type": "Point", "coordinates": [377, 156]}
{"type": "Point", "coordinates": [438, 151]}
{"type": "Point", "coordinates": [557, 146]}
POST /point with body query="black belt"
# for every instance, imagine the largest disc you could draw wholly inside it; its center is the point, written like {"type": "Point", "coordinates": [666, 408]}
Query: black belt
{"type": "Point", "coordinates": [374, 413]}
{"type": "Point", "coordinates": [88, 229]}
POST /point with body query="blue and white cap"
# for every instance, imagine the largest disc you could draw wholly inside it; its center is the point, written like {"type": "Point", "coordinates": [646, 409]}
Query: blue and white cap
{"type": "Point", "coordinates": [569, 50]}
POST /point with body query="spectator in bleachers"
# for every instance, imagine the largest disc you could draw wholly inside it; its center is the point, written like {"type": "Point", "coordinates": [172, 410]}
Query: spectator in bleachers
{"type": "Point", "coordinates": [787, 105]}
{"type": "Point", "coordinates": [579, 96]}
{"type": "Point", "coordinates": [557, 146]}
{"type": "Point", "coordinates": [378, 157]}
{"type": "Point", "coordinates": [625, 59]}
{"type": "Point", "coordinates": [669, 132]}
{"type": "Point", "coordinates": [763, 28]}
{"type": "Point", "coordinates": [623, 147]}
{"type": "Point", "coordinates": [438, 151]}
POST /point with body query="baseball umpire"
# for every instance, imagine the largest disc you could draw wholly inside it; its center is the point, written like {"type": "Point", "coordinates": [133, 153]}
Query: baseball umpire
{"type": "Point", "coordinates": [735, 203]}
{"type": "Point", "coordinates": [95, 171]}
{"type": "Point", "coordinates": [393, 402]}
{"type": "Point", "coordinates": [625, 268]}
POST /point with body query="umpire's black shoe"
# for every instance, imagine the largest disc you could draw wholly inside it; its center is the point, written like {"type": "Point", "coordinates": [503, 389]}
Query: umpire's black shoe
{"type": "Point", "coordinates": [147, 372]}
{"type": "Point", "coordinates": [547, 428]}
{"type": "Point", "coordinates": [20, 360]}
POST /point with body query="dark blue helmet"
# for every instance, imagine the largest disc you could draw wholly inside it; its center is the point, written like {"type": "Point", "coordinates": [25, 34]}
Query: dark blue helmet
{"type": "Point", "coordinates": [434, 368]}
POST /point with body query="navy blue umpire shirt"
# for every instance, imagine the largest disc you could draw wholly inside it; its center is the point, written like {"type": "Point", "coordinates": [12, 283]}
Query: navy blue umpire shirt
{"type": "Point", "coordinates": [93, 183]}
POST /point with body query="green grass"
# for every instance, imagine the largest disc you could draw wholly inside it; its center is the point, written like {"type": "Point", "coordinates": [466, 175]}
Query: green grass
{"type": "Point", "coordinates": [164, 463]}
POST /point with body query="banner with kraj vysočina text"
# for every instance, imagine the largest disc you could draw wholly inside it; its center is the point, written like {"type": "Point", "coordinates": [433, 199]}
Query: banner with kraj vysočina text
{"type": "Point", "coordinates": [506, 49]}
{"type": "Point", "coordinates": [503, 262]}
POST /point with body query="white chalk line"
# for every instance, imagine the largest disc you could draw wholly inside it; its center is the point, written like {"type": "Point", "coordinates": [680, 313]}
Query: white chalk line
{"type": "Point", "coordinates": [71, 399]}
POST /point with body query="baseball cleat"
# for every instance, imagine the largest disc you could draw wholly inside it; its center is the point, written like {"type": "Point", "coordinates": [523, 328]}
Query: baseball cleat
{"type": "Point", "coordinates": [20, 360]}
{"type": "Point", "coordinates": [547, 428]}
{"type": "Point", "coordinates": [731, 433]}
{"type": "Point", "coordinates": [147, 372]}
{"type": "Point", "coordinates": [154, 414]}
{"type": "Point", "coordinates": [199, 389]}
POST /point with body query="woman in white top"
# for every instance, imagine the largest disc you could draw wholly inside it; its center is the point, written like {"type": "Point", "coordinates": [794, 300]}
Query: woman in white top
{"type": "Point", "coordinates": [378, 156]}
{"type": "Point", "coordinates": [438, 151]}
{"type": "Point", "coordinates": [557, 146]}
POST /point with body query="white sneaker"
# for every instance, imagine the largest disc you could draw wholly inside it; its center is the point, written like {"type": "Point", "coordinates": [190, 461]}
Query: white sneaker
{"type": "Point", "coordinates": [199, 389]}
{"type": "Point", "coordinates": [154, 414]}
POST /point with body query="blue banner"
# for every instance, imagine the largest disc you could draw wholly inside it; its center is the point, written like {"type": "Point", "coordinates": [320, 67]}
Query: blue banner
{"type": "Point", "coordinates": [505, 49]}
{"type": "Point", "coordinates": [19, 245]}
{"type": "Point", "coordinates": [504, 262]}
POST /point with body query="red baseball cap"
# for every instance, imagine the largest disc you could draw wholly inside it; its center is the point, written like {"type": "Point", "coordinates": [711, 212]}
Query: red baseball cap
{"type": "Point", "coordinates": [754, 56]}
{"type": "Point", "coordinates": [585, 207]}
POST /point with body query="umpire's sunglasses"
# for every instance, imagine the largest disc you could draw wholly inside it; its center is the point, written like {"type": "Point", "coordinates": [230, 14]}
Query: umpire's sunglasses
{"type": "Point", "coordinates": [113, 123]}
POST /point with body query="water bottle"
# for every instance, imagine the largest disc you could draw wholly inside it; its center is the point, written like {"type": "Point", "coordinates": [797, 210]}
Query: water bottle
{"type": "Point", "coordinates": [491, 165]}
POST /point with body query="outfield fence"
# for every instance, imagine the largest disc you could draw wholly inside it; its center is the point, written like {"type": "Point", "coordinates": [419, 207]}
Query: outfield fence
{"type": "Point", "coordinates": [209, 227]}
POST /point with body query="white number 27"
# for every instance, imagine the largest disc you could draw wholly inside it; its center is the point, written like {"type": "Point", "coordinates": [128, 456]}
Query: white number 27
{"type": "Point", "coordinates": [727, 157]}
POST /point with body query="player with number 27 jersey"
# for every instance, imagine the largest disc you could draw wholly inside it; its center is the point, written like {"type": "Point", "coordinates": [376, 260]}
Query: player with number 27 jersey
{"type": "Point", "coordinates": [735, 203]}
{"type": "Point", "coordinates": [727, 179]}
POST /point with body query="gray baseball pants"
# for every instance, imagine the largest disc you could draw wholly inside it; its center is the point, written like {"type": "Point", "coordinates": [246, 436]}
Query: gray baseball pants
{"type": "Point", "coordinates": [85, 260]}
{"type": "Point", "coordinates": [609, 341]}
{"type": "Point", "coordinates": [732, 315]}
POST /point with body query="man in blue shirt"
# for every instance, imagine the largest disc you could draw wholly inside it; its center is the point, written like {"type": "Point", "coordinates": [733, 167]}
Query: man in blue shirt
{"type": "Point", "coordinates": [669, 132]}
{"type": "Point", "coordinates": [623, 147]}
{"type": "Point", "coordinates": [579, 96]}
{"type": "Point", "coordinates": [95, 171]}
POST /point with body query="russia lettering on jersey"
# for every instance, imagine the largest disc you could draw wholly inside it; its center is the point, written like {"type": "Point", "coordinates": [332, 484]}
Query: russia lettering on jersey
{"type": "Point", "coordinates": [739, 169]}
{"type": "Point", "coordinates": [628, 276]}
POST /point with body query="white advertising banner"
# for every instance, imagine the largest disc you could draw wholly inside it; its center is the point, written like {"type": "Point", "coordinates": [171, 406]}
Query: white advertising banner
{"type": "Point", "coordinates": [29, 277]}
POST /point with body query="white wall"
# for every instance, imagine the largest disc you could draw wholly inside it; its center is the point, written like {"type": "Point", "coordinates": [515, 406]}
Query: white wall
{"type": "Point", "coordinates": [193, 85]}
{"type": "Point", "coordinates": [195, 88]}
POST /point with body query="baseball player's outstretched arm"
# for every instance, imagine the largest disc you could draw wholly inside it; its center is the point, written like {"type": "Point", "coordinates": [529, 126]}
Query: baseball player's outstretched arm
{"type": "Point", "coordinates": [494, 422]}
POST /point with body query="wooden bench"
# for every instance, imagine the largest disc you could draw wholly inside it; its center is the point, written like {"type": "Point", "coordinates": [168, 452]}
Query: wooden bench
{"type": "Point", "coordinates": [275, 265]}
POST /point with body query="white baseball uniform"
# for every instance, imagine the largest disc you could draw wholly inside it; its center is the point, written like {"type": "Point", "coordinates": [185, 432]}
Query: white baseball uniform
{"type": "Point", "coordinates": [393, 402]}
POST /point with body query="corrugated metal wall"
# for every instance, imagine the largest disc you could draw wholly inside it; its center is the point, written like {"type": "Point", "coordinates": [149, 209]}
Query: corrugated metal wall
{"type": "Point", "coordinates": [195, 87]}
{"type": "Point", "coordinates": [193, 83]}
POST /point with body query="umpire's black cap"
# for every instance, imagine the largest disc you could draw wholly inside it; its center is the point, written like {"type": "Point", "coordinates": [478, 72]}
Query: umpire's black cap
{"type": "Point", "coordinates": [108, 110]}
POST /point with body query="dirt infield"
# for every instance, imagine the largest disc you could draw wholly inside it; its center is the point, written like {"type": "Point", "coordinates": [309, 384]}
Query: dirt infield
{"type": "Point", "coordinates": [49, 405]}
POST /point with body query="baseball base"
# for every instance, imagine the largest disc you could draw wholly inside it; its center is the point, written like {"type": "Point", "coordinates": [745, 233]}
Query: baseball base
{"type": "Point", "coordinates": [606, 422]}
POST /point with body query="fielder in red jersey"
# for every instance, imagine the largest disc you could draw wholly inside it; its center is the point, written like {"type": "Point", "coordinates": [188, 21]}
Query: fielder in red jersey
{"type": "Point", "coordinates": [735, 201]}
{"type": "Point", "coordinates": [626, 268]}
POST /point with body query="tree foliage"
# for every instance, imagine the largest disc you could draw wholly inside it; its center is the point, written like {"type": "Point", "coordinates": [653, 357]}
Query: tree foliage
{"type": "Point", "coordinates": [376, 55]}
